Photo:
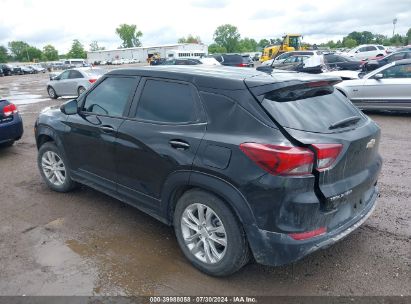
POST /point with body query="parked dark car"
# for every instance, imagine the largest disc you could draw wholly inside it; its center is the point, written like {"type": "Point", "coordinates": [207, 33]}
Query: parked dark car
{"type": "Point", "coordinates": [27, 70]}
{"type": "Point", "coordinates": [238, 161]}
{"type": "Point", "coordinates": [11, 125]}
{"type": "Point", "coordinates": [236, 60]}
{"type": "Point", "coordinates": [7, 69]}
{"type": "Point", "coordinates": [182, 61]}
{"type": "Point", "coordinates": [1, 72]}
{"type": "Point", "coordinates": [335, 61]}
{"type": "Point", "coordinates": [17, 70]}
{"type": "Point", "coordinates": [377, 63]}
{"type": "Point", "coordinates": [297, 63]}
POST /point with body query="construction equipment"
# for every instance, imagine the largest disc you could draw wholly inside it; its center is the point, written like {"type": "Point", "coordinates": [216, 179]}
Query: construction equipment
{"type": "Point", "coordinates": [291, 42]}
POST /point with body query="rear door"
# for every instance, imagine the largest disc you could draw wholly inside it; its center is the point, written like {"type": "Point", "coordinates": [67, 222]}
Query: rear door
{"type": "Point", "coordinates": [73, 81]}
{"type": "Point", "coordinates": [161, 137]}
{"type": "Point", "coordinates": [60, 84]}
{"type": "Point", "coordinates": [308, 115]}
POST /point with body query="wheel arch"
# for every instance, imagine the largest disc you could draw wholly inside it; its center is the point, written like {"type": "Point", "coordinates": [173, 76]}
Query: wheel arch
{"type": "Point", "coordinates": [178, 185]}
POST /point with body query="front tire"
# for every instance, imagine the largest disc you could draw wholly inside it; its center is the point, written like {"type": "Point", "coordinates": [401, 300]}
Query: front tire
{"type": "Point", "coordinates": [209, 234]}
{"type": "Point", "coordinates": [54, 168]}
{"type": "Point", "coordinates": [80, 90]}
{"type": "Point", "coordinates": [52, 93]}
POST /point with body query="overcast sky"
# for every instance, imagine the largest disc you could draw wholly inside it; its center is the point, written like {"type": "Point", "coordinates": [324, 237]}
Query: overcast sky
{"type": "Point", "coordinates": [162, 22]}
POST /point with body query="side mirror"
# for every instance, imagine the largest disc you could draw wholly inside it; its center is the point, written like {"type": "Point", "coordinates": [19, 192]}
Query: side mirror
{"type": "Point", "coordinates": [70, 107]}
{"type": "Point", "coordinates": [378, 76]}
{"type": "Point", "coordinates": [357, 51]}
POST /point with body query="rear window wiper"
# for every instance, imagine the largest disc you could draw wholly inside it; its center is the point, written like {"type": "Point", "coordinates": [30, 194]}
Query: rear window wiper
{"type": "Point", "coordinates": [344, 122]}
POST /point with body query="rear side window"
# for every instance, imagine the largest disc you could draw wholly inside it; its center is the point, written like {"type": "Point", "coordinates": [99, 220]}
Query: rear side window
{"type": "Point", "coordinates": [167, 102]}
{"type": "Point", "coordinates": [371, 48]}
{"type": "Point", "coordinates": [380, 47]}
{"type": "Point", "coordinates": [312, 110]}
{"type": "Point", "coordinates": [110, 97]}
{"type": "Point", "coordinates": [75, 74]}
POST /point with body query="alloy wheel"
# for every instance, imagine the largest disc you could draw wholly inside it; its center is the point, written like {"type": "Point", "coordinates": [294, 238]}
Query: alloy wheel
{"type": "Point", "coordinates": [53, 168]}
{"type": "Point", "coordinates": [204, 233]}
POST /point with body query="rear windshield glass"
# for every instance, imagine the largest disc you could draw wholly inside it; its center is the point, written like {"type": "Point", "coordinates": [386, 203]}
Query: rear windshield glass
{"type": "Point", "coordinates": [95, 72]}
{"type": "Point", "coordinates": [313, 110]}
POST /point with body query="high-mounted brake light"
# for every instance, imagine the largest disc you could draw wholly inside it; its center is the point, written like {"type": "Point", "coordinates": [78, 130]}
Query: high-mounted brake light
{"type": "Point", "coordinates": [326, 154]}
{"type": "Point", "coordinates": [92, 80]}
{"type": "Point", "coordinates": [280, 160]}
{"type": "Point", "coordinates": [9, 109]}
{"type": "Point", "coordinates": [308, 234]}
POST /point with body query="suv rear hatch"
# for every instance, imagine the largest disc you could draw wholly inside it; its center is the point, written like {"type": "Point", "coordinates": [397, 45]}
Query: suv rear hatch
{"type": "Point", "coordinates": [6, 111]}
{"type": "Point", "coordinates": [311, 113]}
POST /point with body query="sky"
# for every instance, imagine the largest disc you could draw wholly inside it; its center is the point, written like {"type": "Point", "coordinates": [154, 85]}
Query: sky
{"type": "Point", "coordinates": [56, 22]}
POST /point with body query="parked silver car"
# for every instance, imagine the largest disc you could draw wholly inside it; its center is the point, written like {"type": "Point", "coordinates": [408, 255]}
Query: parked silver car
{"type": "Point", "coordinates": [387, 88]}
{"type": "Point", "coordinates": [72, 82]}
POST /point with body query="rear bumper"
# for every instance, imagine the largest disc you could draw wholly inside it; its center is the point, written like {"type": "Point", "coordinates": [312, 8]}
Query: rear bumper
{"type": "Point", "coordinates": [11, 131]}
{"type": "Point", "coordinates": [275, 249]}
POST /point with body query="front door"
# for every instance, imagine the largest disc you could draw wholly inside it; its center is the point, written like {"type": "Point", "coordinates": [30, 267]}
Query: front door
{"type": "Point", "coordinates": [91, 137]}
{"type": "Point", "coordinates": [393, 90]}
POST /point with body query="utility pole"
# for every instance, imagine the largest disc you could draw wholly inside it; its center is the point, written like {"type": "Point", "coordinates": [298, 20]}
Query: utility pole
{"type": "Point", "coordinates": [394, 22]}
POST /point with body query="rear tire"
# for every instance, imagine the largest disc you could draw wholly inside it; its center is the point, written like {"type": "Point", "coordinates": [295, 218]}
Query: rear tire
{"type": "Point", "coordinates": [202, 242]}
{"type": "Point", "coordinates": [52, 93]}
{"type": "Point", "coordinates": [54, 168]}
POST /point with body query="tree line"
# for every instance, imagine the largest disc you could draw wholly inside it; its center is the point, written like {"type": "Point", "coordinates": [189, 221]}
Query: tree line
{"type": "Point", "coordinates": [227, 39]}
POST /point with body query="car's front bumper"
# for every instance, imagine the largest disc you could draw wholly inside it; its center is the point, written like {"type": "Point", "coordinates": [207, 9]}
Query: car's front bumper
{"type": "Point", "coordinates": [275, 249]}
{"type": "Point", "coordinates": [11, 131]}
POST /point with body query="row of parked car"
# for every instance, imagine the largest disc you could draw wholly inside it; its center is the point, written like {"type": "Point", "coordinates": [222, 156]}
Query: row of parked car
{"type": "Point", "coordinates": [8, 69]}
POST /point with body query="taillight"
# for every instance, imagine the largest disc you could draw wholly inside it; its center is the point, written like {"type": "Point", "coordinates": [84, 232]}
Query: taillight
{"type": "Point", "coordinates": [280, 160]}
{"type": "Point", "coordinates": [9, 109]}
{"type": "Point", "coordinates": [92, 80]}
{"type": "Point", "coordinates": [242, 65]}
{"type": "Point", "coordinates": [308, 234]}
{"type": "Point", "coordinates": [326, 154]}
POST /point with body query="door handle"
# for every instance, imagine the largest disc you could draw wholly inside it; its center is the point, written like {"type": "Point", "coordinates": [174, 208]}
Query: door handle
{"type": "Point", "coordinates": [107, 129]}
{"type": "Point", "coordinates": [179, 144]}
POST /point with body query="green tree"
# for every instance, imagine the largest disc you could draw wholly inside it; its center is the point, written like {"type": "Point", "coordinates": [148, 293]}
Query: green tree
{"type": "Point", "coordinates": [50, 53]}
{"type": "Point", "coordinates": [331, 44]}
{"type": "Point", "coordinates": [408, 36]}
{"type": "Point", "coordinates": [34, 54]}
{"type": "Point", "coordinates": [129, 34]}
{"type": "Point", "coordinates": [397, 39]}
{"type": "Point", "coordinates": [95, 47]}
{"type": "Point", "coordinates": [190, 39]}
{"type": "Point", "coordinates": [214, 48]}
{"type": "Point", "coordinates": [263, 43]}
{"type": "Point", "coordinates": [19, 50]}
{"type": "Point", "coordinates": [227, 36]}
{"type": "Point", "coordinates": [247, 45]}
{"type": "Point", "coordinates": [4, 56]}
{"type": "Point", "coordinates": [77, 50]}
{"type": "Point", "coordinates": [276, 41]}
{"type": "Point", "coordinates": [349, 42]}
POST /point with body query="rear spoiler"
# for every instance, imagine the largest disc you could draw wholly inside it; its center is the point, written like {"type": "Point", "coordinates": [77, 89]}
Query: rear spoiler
{"type": "Point", "coordinates": [258, 88]}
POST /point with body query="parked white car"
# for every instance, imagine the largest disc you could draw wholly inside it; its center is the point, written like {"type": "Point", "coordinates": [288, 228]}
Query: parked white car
{"type": "Point", "coordinates": [367, 51]}
{"type": "Point", "coordinates": [387, 88]}
{"type": "Point", "coordinates": [73, 82]}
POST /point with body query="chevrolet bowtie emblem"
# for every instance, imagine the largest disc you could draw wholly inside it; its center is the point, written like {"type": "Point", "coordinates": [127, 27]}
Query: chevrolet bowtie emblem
{"type": "Point", "coordinates": [371, 144]}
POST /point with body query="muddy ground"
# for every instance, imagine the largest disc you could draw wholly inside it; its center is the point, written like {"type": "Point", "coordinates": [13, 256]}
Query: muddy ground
{"type": "Point", "coordinates": [86, 243]}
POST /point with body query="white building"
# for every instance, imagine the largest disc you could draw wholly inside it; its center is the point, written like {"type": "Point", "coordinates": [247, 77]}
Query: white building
{"type": "Point", "coordinates": [142, 53]}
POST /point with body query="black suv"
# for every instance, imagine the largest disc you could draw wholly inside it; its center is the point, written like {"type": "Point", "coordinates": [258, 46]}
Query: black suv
{"type": "Point", "coordinates": [7, 69]}
{"type": "Point", "coordinates": [238, 161]}
{"type": "Point", "coordinates": [235, 60]}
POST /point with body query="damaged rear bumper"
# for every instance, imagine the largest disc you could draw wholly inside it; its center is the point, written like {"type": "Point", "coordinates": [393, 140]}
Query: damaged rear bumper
{"type": "Point", "coordinates": [275, 249]}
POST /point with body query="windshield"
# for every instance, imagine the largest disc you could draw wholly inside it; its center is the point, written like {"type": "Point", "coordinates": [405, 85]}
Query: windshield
{"type": "Point", "coordinates": [295, 42]}
{"type": "Point", "coordinates": [309, 109]}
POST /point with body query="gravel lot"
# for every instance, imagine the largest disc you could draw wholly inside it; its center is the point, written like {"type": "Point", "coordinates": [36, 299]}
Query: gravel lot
{"type": "Point", "coordinates": [86, 243]}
